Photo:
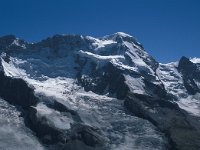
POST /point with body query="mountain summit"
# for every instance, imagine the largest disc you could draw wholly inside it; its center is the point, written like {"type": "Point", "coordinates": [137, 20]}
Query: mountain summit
{"type": "Point", "coordinates": [78, 92]}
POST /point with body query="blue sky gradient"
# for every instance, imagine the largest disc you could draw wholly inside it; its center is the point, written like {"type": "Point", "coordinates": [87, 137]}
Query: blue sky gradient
{"type": "Point", "coordinates": [168, 29]}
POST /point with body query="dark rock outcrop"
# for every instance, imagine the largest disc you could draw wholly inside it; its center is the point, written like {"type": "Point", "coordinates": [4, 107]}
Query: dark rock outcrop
{"type": "Point", "coordinates": [16, 91]}
{"type": "Point", "coordinates": [107, 79]}
{"type": "Point", "coordinates": [169, 119]}
{"type": "Point", "coordinates": [8, 43]}
{"type": "Point", "coordinates": [88, 137]}
{"type": "Point", "coordinates": [46, 131]}
{"type": "Point", "coordinates": [190, 72]}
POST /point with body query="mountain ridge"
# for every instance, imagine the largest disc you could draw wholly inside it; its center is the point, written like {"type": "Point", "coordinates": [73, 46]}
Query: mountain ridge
{"type": "Point", "coordinates": [94, 92]}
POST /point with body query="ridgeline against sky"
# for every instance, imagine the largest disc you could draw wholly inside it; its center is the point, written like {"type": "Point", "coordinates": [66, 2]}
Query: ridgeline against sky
{"type": "Point", "coordinates": [168, 29]}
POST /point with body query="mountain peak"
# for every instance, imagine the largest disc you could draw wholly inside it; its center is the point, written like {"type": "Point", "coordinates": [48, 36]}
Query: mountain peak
{"type": "Point", "coordinates": [184, 61]}
{"type": "Point", "coordinates": [76, 82]}
{"type": "Point", "coordinates": [122, 34]}
{"type": "Point", "coordinates": [186, 66]}
{"type": "Point", "coordinates": [9, 42]}
{"type": "Point", "coordinates": [119, 35]}
{"type": "Point", "coordinates": [8, 38]}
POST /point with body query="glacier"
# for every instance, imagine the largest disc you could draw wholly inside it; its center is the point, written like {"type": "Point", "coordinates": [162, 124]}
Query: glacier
{"type": "Point", "coordinates": [98, 93]}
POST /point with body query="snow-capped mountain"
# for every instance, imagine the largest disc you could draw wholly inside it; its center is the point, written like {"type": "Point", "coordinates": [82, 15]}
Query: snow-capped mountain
{"type": "Point", "coordinates": [82, 93]}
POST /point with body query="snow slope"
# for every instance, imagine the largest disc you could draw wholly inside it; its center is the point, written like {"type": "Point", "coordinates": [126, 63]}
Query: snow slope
{"type": "Point", "coordinates": [95, 110]}
{"type": "Point", "coordinates": [174, 85]}
{"type": "Point", "coordinates": [53, 66]}
{"type": "Point", "coordinates": [55, 78]}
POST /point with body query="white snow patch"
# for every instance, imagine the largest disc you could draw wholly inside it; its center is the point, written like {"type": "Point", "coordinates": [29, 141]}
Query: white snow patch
{"type": "Point", "coordinates": [195, 60]}
{"type": "Point", "coordinates": [16, 42]}
{"type": "Point", "coordinates": [136, 85]}
{"type": "Point", "coordinates": [171, 78]}
{"type": "Point", "coordinates": [191, 104]}
{"type": "Point", "coordinates": [11, 71]}
{"type": "Point", "coordinates": [97, 57]}
{"type": "Point", "coordinates": [54, 117]}
{"type": "Point", "coordinates": [100, 43]}
{"type": "Point", "coordinates": [122, 66]}
{"type": "Point", "coordinates": [137, 59]}
{"type": "Point", "coordinates": [173, 83]}
{"type": "Point", "coordinates": [123, 34]}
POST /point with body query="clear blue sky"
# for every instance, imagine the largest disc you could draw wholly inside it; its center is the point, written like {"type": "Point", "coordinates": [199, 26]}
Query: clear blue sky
{"type": "Point", "coordinates": [168, 29]}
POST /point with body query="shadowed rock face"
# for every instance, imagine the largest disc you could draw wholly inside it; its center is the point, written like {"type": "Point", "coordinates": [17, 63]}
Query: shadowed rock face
{"type": "Point", "coordinates": [181, 129]}
{"type": "Point", "coordinates": [10, 42]}
{"type": "Point", "coordinates": [53, 136]}
{"type": "Point", "coordinates": [106, 79]}
{"type": "Point", "coordinates": [16, 91]}
{"type": "Point", "coordinates": [5, 41]}
{"type": "Point", "coordinates": [186, 66]}
{"type": "Point", "coordinates": [190, 72]}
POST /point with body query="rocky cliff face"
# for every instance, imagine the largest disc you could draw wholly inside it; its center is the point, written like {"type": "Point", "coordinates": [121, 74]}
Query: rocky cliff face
{"type": "Point", "coordinates": [79, 92]}
{"type": "Point", "coordinates": [190, 72]}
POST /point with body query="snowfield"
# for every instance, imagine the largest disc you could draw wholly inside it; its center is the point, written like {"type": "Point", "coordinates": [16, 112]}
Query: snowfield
{"type": "Point", "coordinates": [195, 60]}
{"type": "Point", "coordinates": [62, 73]}
{"type": "Point", "coordinates": [95, 110]}
{"type": "Point", "coordinates": [55, 79]}
{"type": "Point", "coordinates": [173, 83]}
